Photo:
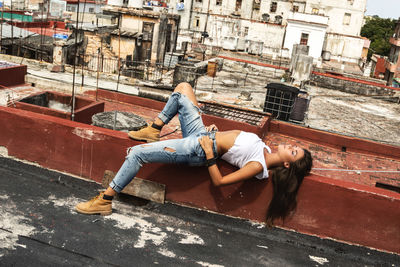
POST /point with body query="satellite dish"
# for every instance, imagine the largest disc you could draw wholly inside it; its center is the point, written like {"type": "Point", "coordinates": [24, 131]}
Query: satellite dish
{"type": "Point", "coordinates": [265, 17]}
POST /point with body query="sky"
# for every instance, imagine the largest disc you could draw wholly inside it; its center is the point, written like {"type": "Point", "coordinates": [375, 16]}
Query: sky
{"type": "Point", "coordinates": [384, 8]}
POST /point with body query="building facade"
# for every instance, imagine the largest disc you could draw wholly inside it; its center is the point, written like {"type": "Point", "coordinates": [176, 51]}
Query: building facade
{"type": "Point", "coordinates": [331, 26]}
{"type": "Point", "coordinates": [392, 64]}
{"type": "Point", "coordinates": [142, 34]}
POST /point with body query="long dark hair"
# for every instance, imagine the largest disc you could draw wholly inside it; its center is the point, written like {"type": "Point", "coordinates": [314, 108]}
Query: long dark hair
{"type": "Point", "coordinates": [286, 183]}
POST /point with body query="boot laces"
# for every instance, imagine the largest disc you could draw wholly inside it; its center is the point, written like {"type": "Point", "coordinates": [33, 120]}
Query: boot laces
{"type": "Point", "coordinates": [96, 197]}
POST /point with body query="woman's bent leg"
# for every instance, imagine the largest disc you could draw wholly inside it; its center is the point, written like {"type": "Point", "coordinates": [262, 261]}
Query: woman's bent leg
{"type": "Point", "coordinates": [182, 101]}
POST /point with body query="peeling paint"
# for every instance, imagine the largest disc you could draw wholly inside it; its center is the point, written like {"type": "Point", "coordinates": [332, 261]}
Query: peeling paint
{"type": "Point", "coordinates": [62, 202]}
{"type": "Point", "coordinates": [167, 253]}
{"type": "Point", "coordinates": [318, 260]}
{"type": "Point", "coordinates": [206, 264]}
{"type": "Point", "coordinates": [11, 226]}
{"type": "Point", "coordinates": [148, 231]}
{"type": "Point", "coordinates": [3, 151]}
{"type": "Point", "coordinates": [257, 224]}
{"type": "Point", "coordinates": [190, 238]}
{"type": "Point", "coordinates": [88, 134]}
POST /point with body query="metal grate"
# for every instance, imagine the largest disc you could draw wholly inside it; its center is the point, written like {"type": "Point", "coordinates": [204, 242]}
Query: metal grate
{"type": "Point", "coordinates": [232, 113]}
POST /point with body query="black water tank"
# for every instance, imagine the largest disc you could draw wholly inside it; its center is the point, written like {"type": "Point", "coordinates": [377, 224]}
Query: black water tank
{"type": "Point", "coordinates": [279, 100]}
{"type": "Point", "coordinates": [300, 106]}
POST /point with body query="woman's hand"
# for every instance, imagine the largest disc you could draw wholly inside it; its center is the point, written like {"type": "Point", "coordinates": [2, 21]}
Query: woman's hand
{"type": "Point", "coordinates": [211, 128]}
{"type": "Point", "coordinates": [207, 144]}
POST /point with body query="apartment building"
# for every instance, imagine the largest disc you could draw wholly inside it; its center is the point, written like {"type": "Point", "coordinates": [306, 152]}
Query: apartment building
{"type": "Point", "coordinates": [330, 26]}
{"type": "Point", "coordinates": [142, 34]}
{"type": "Point", "coordinates": [392, 64]}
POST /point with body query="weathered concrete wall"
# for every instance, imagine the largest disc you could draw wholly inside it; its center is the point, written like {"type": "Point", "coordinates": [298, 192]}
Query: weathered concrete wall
{"type": "Point", "coordinates": [344, 47]}
{"type": "Point", "coordinates": [350, 85]}
{"type": "Point", "coordinates": [335, 10]}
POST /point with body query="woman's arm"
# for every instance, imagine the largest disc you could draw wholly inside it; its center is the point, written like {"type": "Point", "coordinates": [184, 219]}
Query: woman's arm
{"type": "Point", "coordinates": [247, 172]}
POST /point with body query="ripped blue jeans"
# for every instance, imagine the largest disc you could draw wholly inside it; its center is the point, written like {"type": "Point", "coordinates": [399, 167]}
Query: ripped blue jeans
{"type": "Point", "coordinates": [186, 150]}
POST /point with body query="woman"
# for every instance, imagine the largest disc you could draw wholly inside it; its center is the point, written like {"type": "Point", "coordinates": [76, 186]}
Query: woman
{"type": "Point", "coordinates": [201, 146]}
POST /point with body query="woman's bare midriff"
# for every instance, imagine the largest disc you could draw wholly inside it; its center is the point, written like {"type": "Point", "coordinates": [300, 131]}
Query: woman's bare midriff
{"type": "Point", "coordinates": [225, 140]}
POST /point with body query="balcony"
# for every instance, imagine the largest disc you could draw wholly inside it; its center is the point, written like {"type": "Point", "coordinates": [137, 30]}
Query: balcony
{"type": "Point", "coordinates": [390, 66]}
{"type": "Point", "coordinates": [395, 41]}
{"type": "Point", "coordinates": [310, 18]}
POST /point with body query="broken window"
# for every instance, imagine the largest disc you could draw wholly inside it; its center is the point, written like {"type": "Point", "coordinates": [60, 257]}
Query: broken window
{"type": "Point", "coordinates": [315, 11]}
{"type": "Point", "coordinates": [304, 38]}
{"type": "Point", "coordinates": [295, 8]}
{"type": "Point", "coordinates": [218, 2]}
{"type": "Point", "coordinates": [346, 19]}
{"type": "Point", "coordinates": [147, 31]}
{"type": "Point", "coordinates": [274, 6]}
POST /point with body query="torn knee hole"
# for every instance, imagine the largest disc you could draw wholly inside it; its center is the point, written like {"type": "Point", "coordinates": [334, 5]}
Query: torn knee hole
{"type": "Point", "coordinates": [168, 149]}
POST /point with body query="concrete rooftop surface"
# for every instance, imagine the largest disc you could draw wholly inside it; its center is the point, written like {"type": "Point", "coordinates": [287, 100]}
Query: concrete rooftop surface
{"type": "Point", "coordinates": [342, 218]}
{"type": "Point", "coordinates": [39, 227]}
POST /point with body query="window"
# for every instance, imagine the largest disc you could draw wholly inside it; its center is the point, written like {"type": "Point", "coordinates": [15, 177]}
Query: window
{"type": "Point", "coordinates": [346, 19]}
{"type": "Point", "coordinates": [256, 4]}
{"type": "Point", "coordinates": [295, 9]}
{"type": "Point", "coordinates": [91, 9]}
{"type": "Point", "coordinates": [71, 8]}
{"type": "Point", "coordinates": [274, 6]}
{"type": "Point", "coordinates": [218, 2]}
{"type": "Point", "coordinates": [199, 1]}
{"type": "Point", "coordinates": [304, 38]}
{"type": "Point", "coordinates": [246, 31]}
{"type": "Point", "coordinates": [315, 11]}
{"type": "Point", "coordinates": [197, 22]}
{"type": "Point", "coordinates": [238, 5]}
{"type": "Point", "coordinates": [350, 2]}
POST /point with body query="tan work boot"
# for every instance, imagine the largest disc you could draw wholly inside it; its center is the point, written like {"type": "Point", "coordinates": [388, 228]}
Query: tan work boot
{"type": "Point", "coordinates": [148, 134]}
{"type": "Point", "coordinates": [96, 205]}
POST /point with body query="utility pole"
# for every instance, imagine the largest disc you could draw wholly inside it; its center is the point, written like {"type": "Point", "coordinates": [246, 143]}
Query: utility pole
{"type": "Point", "coordinates": [204, 34]}
{"type": "Point", "coordinates": [12, 28]}
{"type": "Point", "coordinates": [73, 74]}
{"type": "Point", "coordinates": [1, 30]}
{"type": "Point", "coordinates": [41, 33]}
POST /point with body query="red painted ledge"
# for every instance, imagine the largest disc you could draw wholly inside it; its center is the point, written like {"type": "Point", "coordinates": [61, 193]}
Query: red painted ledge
{"type": "Point", "coordinates": [328, 208]}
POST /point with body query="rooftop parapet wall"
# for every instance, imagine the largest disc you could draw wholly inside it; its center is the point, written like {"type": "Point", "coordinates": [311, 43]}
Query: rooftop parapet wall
{"type": "Point", "coordinates": [341, 142]}
{"type": "Point", "coordinates": [351, 85]}
{"type": "Point", "coordinates": [12, 75]}
{"type": "Point", "coordinates": [328, 208]}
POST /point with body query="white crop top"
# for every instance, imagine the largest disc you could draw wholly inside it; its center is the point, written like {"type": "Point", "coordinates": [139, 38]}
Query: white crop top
{"type": "Point", "coordinates": [247, 147]}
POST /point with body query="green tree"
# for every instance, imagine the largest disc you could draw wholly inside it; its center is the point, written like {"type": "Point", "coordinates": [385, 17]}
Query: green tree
{"type": "Point", "coordinates": [379, 31]}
